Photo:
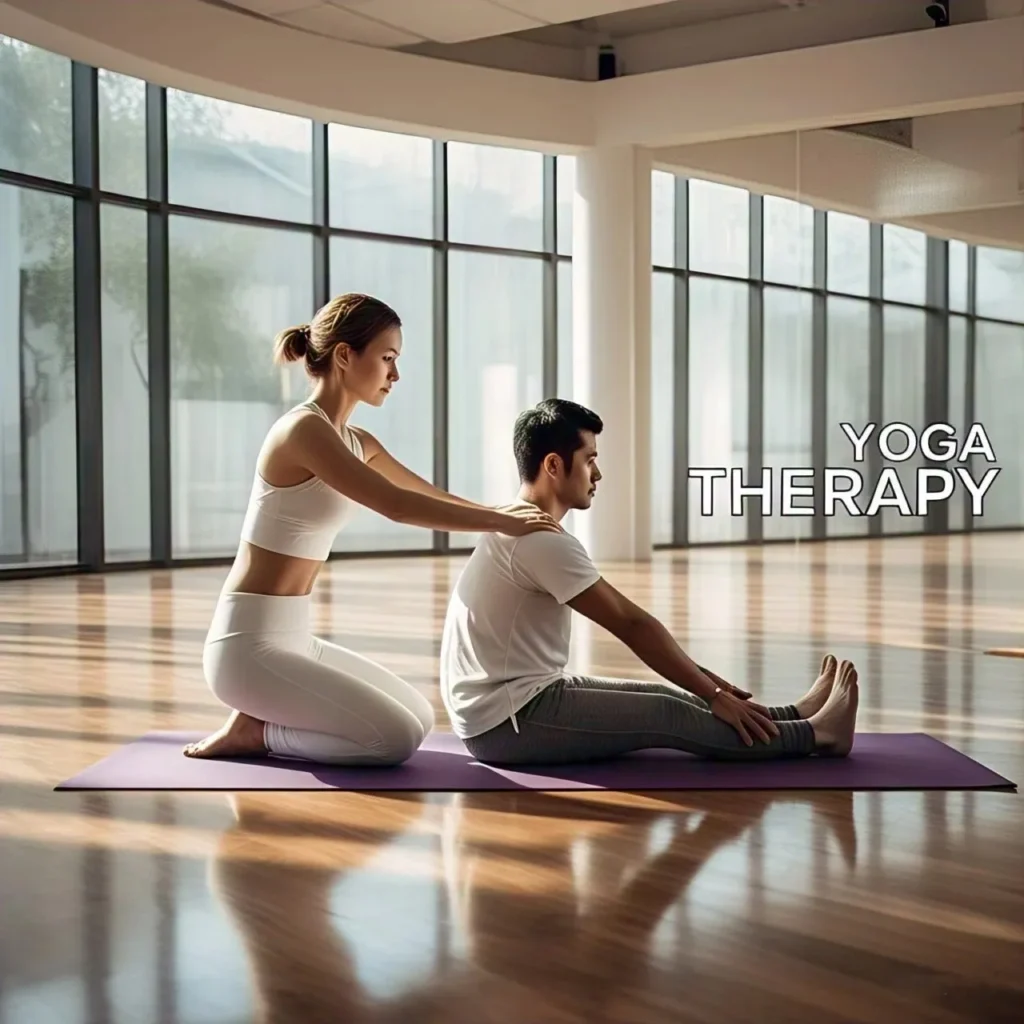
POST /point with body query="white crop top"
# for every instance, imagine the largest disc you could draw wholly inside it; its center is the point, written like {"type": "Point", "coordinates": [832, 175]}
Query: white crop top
{"type": "Point", "coordinates": [301, 520]}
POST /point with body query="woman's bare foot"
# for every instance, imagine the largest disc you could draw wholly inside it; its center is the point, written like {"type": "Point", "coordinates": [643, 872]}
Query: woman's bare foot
{"type": "Point", "coordinates": [240, 736]}
{"type": "Point", "coordinates": [814, 700]}
{"type": "Point", "coordinates": [835, 723]}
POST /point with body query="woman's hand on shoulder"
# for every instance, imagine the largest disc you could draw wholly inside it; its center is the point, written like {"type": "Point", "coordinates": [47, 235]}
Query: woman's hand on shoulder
{"type": "Point", "coordinates": [522, 518]}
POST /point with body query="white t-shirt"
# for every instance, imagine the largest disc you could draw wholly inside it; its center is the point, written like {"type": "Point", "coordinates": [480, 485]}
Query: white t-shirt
{"type": "Point", "coordinates": [506, 634]}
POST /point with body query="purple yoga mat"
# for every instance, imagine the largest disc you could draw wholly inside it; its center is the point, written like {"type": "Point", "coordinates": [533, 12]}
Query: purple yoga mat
{"type": "Point", "coordinates": [879, 761]}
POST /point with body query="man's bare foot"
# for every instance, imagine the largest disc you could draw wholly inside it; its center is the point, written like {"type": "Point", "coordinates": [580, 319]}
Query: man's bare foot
{"type": "Point", "coordinates": [835, 723]}
{"type": "Point", "coordinates": [814, 700]}
{"type": "Point", "coordinates": [240, 736]}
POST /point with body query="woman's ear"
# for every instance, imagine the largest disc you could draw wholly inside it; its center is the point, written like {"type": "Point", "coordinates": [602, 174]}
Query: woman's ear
{"type": "Point", "coordinates": [342, 356]}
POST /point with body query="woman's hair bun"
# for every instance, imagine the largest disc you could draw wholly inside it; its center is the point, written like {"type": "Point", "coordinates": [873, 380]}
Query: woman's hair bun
{"type": "Point", "coordinates": [292, 344]}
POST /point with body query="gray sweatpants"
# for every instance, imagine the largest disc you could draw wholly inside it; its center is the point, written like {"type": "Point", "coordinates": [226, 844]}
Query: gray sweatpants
{"type": "Point", "coordinates": [580, 718]}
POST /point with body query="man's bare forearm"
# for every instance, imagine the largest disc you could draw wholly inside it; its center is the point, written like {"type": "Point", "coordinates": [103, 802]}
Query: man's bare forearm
{"type": "Point", "coordinates": [654, 645]}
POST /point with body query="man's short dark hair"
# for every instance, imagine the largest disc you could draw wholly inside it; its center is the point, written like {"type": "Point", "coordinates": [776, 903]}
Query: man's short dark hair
{"type": "Point", "coordinates": [553, 425]}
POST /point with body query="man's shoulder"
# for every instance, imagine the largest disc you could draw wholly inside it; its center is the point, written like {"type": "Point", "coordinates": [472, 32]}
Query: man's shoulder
{"type": "Point", "coordinates": [491, 551]}
{"type": "Point", "coordinates": [549, 544]}
{"type": "Point", "coordinates": [500, 551]}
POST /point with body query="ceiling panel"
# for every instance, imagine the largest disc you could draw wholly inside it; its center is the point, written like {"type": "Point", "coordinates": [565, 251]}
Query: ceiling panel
{"type": "Point", "coordinates": [445, 21]}
{"type": "Point", "coordinates": [619, 21]}
{"type": "Point", "coordinates": [561, 11]}
{"type": "Point", "coordinates": [681, 13]}
{"type": "Point", "coordinates": [272, 8]}
{"type": "Point", "coordinates": [342, 23]}
{"type": "Point", "coordinates": [398, 23]}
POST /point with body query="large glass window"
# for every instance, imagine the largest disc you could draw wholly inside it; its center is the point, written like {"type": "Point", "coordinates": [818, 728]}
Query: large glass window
{"type": "Point", "coordinates": [849, 254]}
{"type": "Point", "coordinates": [381, 181]}
{"type": "Point", "coordinates": [903, 402]}
{"type": "Point", "coordinates": [787, 404]}
{"type": "Point", "coordinates": [495, 196]}
{"type": "Point", "coordinates": [788, 242]}
{"type": "Point", "coordinates": [38, 454]}
{"type": "Point", "coordinates": [719, 229]}
{"type": "Point", "coordinates": [238, 159]}
{"type": "Point", "coordinates": [958, 412]}
{"type": "Point", "coordinates": [234, 282]}
{"type": "Point", "coordinates": [565, 192]}
{"type": "Point", "coordinates": [663, 219]}
{"type": "Point", "coordinates": [662, 401]}
{"type": "Point", "coordinates": [35, 111]}
{"type": "Point", "coordinates": [904, 255]}
{"type": "Point", "coordinates": [998, 408]}
{"type": "Point", "coordinates": [402, 276]}
{"type": "Point", "coordinates": [848, 400]}
{"type": "Point", "coordinates": [564, 283]}
{"type": "Point", "coordinates": [718, 413]}
{"type": "Point", "coordinates": [232, 288]}
{"type": "Point", "coordinates": [1001, 284]}
{"type": "Point", "coordinates": [122, 103]}
{"type": "Point", "coordinates": [125, 361]}
{"type": "Point", "coordinates": [958, 256]}
{"type": "Point", "coordinates": [495, 370]}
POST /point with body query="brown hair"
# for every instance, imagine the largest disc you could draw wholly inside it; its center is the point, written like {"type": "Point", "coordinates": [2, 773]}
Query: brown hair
{"type": "Point", "coordinates": [352, 319]}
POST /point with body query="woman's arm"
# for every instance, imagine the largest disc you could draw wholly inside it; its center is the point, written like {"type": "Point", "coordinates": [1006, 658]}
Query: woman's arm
{"type": "Point", "coordinates": [312, 443]}
{"type": "Point", "coordinates": [378, 457]}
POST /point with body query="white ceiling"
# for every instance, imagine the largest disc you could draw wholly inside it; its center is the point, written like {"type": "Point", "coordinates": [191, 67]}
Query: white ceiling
{"type": "Point", "coordinates": [397, 23]}
{"type": "Point", "coordinates": [556, 37]}
{"type": "Point", "coordinates": [622, 23]}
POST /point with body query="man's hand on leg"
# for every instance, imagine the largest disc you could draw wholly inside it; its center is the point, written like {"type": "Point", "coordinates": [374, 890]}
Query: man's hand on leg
{"type": "Point", "coordinates": [728, 687]}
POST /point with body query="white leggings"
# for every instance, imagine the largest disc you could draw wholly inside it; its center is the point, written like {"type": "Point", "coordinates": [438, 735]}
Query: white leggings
{"type": "Point", "coordinates": [319, 701]}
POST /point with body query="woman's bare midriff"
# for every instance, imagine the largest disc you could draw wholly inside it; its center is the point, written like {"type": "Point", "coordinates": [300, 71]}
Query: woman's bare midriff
{"type": "Point", "coordinates": [258, 571]}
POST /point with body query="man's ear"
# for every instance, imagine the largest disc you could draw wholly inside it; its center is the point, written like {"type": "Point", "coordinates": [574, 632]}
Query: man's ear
{"type": "Point", "coordinates": [552, 465]}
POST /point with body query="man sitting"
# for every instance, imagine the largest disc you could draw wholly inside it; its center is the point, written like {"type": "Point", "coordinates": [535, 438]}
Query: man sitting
{"type": "Point", "coordinates": [506, 643]}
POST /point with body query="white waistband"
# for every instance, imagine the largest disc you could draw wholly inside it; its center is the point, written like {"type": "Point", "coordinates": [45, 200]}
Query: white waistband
{"type": "Point", "coordinates": [260, 613]}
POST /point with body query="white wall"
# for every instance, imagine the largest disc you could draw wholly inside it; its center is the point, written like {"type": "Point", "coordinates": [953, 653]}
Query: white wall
{"type": "Point", "coordinates": [206, 49]}
{"type": "Point", "coordinates": [913, 74]}
{"type": "Point", "coordinates": [957, 163]}
{"type": "Point", "coordinates": [909, 74]}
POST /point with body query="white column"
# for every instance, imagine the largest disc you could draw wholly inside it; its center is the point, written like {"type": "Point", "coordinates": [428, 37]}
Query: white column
{"type": "Point", "coordinates": [612, 343]}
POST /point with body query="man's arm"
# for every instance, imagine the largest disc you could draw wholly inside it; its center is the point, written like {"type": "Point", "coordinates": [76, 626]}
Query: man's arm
{"type": "Point", "coordinates": [644, 635]}
{"type": "Point", "coordinates": [652, 643]}
{"type": "Point", "coordinates": [648, 639]}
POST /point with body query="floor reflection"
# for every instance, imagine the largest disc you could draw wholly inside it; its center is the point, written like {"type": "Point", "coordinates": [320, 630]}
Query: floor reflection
{"type": "Point", "coordinates": [522, 907]}
{"type": "Point", "coordinates": [562, 927]}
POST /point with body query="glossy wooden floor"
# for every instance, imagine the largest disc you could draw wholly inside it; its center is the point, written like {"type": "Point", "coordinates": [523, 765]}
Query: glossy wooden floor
{"type": "Point", "coordinates": [523, 908]}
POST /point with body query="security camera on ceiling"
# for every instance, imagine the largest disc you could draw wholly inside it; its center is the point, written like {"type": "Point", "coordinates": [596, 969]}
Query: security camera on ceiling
{"type": "Point", "coordinates": [939, 13]}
